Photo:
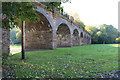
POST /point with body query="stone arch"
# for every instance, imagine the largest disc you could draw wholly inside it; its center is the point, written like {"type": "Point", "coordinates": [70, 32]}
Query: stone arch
{"type": "Point", "coordinates": [47, 17]}
{"type": "Point", "coordinates": [76, 36]}
{"type": "Point", "coordinates": [39, 35]}
{"type": "Point", "coordinates": [81, 34]}
{"type": "Point", "coordinates": [63, 22]}
{"type": "Point", "coordinates": [63, 34]}
{"type": "Point", "coordinates": [81, 37]}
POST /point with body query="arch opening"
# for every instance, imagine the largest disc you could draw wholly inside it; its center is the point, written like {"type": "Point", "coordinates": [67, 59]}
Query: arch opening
{"type": "Point", "coordinates": [81, 38]}
{"type": "Point", "coordinates": [63, 36]}
{"type": "Point", "coordinates": [39, 35]}
{"type": "Point", "coordinates": [76, 38]}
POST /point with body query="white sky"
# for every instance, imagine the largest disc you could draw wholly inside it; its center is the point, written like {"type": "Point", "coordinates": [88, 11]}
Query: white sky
{"type": "Point", "coordinates": [94, 12]}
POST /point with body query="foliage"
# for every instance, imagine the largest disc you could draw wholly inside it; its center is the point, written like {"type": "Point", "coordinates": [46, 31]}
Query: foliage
{"type": "Point", "coordinates": [103, 34]}
{"type": "Point", "coordinates": [77, 18]}
{"type": "Point", "coordinates": [83, 61]}
{"type": "Point", "coordinates": [18, 37]}
{"type": "Point", "coordinates": [81, 23]}
{"type": "Point", "coordinates": [88, 28]}
{"type": "Point", "coordinates": [51, 6]}
{"type": "Point", "coordinates": [15, 12]}
{"type": "Point", "coordinates": [15, 36]}
{"type": "Point", "coordinates": [118, 39]}
{"type": "Point", "coordinates": [99, 33]}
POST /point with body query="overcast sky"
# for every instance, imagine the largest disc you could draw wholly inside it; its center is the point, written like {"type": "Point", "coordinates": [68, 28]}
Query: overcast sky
{"type": "Point", "coordinates": [94, 12]}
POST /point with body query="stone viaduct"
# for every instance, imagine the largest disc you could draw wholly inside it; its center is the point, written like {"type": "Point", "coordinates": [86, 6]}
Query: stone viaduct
{"type": "Point", "coordinates": [52, 31]}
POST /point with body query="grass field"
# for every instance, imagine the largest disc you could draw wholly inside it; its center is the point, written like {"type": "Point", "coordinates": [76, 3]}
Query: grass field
{"type": "Point", "coordinates": [15, 46]}
{"type": "Point", "coordinates": [15, 49]}
{"type": "Point", "coordinates": [81, 61]}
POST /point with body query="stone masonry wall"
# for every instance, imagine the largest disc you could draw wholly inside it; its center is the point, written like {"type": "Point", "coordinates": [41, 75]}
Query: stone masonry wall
{"type": "Point", "coordinates": [76, 38]}
{"type": "Point", "coordinates": [63, 36]}
{"type": "Point", "coordinates": [38, 35]}
{"type": "Point", "coordinates": [46, 34]}
{"type": "Point", "coordinates": [5, 42]}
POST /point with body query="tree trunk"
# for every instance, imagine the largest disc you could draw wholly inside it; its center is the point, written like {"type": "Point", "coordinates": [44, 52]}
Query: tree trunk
{"type": "Point", "coordinates": [23, 53]}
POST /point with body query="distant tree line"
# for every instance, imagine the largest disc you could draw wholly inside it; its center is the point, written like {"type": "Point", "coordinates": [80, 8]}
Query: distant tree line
{"type": "Point", "coordinates": [103, 34]}
{"type": "Point", "coordinates": [15, 36]}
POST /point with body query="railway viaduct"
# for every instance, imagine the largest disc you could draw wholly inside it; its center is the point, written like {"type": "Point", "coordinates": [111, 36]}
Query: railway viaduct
{"type": "Point", "coordinates": [53, 30]}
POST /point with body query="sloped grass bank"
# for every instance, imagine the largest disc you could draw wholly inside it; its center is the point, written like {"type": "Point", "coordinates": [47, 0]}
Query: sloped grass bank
{"type": "Point", "coordinates": [82, 61]}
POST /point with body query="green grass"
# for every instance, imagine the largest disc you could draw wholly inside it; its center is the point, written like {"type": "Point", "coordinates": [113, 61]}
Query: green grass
{"type": "Point", "coordinates": [17, 46]}
{"type": "Point", "coordinates": [81, 61]}
{"type": "Point", "coordinates": [15, 49]}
